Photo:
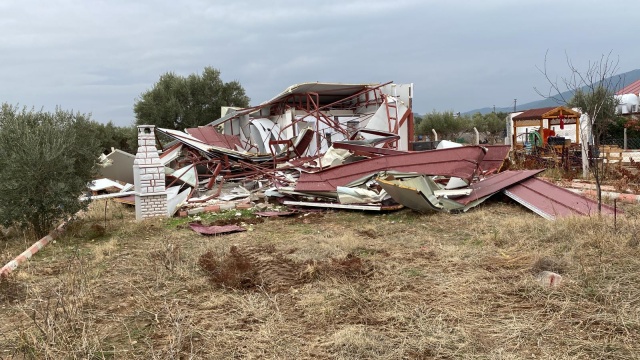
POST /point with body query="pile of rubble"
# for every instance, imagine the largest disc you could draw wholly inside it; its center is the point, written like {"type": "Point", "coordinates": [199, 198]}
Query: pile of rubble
{"type": "Point", "coordinates": [343, 146]}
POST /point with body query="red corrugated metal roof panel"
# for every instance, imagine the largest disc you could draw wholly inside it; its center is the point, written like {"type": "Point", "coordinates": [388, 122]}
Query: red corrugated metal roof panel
{"type": "Point", "coordinates": [210, 136]}
{"type": "Point", "coordinates": [495, 183]}
{"type": "Point", "coordinates": [460, 162]}
{"type": "Point", "coordinates": [493, 159]}
{"type": "Point", "coordinates": [533, 114]}
{"type": "Point", "coordinates": [551, 201]}
{"type": "Point", "coordinates": [633, 88]}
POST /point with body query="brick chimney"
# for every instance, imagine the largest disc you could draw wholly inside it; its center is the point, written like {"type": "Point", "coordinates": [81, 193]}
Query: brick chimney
{"type": "Point", "coordinates": [148, 176]}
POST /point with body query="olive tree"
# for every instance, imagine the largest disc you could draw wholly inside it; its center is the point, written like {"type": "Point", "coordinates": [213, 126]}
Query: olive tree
{"type": "Point", "coordinates": [46, 162]}
{"type": "Point", "coordinates": [491, 125]}
{"type": "Point", "coordinates": [445, 124]}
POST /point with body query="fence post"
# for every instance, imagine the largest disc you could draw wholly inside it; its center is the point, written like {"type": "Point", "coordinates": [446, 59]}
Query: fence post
{"type": "Point", "coordinates": [625, 139]}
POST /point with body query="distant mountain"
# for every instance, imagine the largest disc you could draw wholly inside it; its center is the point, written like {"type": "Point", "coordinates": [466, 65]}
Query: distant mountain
{"type": "Point", "coordinates": [627, 78]}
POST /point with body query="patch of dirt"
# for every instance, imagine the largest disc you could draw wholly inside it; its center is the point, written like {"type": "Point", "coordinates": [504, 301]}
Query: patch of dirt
{"type": "Point", "coordinates": [369, 233]}
{"type": "Point", "coordinates": [11, 290]}
{"type": "Point", "coordinates": [308, 217]}
{"type": "Point", "coordinates": [267, 268]}
{"type": "Point", "coordinates": [351, 266]}
{"type": "Point", "coordinates": [425, 253]}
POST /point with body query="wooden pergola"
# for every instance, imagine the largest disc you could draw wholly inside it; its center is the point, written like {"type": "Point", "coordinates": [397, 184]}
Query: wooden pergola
{"type": "Point", "coordinates": [554, 115]}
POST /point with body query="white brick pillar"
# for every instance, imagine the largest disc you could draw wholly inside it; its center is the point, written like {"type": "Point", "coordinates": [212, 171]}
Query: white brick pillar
{"type": "Point", "coordinates": [148, 176]}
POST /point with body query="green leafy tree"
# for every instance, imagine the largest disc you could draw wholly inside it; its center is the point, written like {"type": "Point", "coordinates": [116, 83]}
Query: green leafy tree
{"type": "Point", "coordinates": [178, 102]}
{"type": "Point", "coordinates": [417, 119]}
{"type": "Point", "coordinates": [491, 125]}
{"type": "Point", "coordinates": [447, 125]}
{"type": "Point", "coordinates": [46, 161]}
{"type": "Point", "coordinates": [600, 103]}
{"type": "Point", "coordinates": [120, 137]}
{"type": "Point", "coordinates": [632, 124]}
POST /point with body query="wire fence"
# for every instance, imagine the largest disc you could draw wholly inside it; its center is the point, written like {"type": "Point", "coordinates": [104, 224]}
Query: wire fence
{"type": "Point", "coordinates": [632, 143]}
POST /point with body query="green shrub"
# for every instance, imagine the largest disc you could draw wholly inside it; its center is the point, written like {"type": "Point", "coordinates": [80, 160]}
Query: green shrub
{"type": "Point", "coordinates": [46, 161]}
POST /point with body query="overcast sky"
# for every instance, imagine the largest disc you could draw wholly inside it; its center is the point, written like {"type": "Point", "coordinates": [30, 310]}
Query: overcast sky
{"type": "Point", "coordinates": [99, 56]}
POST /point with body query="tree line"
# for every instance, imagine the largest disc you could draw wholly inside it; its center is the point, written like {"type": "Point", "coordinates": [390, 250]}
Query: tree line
{"type": "Point", "coordinates": [450, 126]}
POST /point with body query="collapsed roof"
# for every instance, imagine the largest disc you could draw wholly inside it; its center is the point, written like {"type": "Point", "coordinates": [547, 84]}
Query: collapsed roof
{"type": "Point", "coordinates": [344, 146]}
{"type": "Point", "coordinates": [335, 112]}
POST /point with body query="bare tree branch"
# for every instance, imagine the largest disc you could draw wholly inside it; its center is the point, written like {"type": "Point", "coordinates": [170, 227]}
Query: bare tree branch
{"type": "Point", "coordinates": [592, 91]}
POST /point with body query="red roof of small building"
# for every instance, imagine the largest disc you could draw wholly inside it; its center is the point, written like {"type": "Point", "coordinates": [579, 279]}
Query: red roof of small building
{"type": "Point", "coordinates": [547, 113]}
{"type": "Point", "coordinates": [533, 114]}
{"type": "Point", "coordinates": [633, 88]}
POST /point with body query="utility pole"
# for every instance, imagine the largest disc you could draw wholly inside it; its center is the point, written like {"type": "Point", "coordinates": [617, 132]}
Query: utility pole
{"type": "Point", "coordinates": [494, 109]}
{"type": "Point", "coordinates": [515, 102]}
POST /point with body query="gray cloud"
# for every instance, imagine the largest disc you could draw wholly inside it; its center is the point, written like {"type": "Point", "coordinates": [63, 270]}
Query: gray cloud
{"type": "Point", "coordinates": [98, 56]}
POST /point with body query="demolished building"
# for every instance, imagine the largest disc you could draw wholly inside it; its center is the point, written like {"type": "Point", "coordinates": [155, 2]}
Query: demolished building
{"type": "Point", "coordinates": [346, 146]}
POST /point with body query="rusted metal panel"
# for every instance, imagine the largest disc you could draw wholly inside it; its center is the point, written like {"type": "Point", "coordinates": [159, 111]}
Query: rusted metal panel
{"type": "Point", "coordinates": [494, 158]}
{"type": "Point", "coordinates": [213, 229]}
{"type": "Point", "coordinates": [533, 114]}
{"type": "Point", "coordinates": [459, 162]}
{"type": "Point", "coordinates": [551, 201]}
{"type": "Point", "coordinates": [366, 150]}
{"type": "Point", "coordinates": [209, 135]}
{"type": "Point", "coordinates": [495, 183]}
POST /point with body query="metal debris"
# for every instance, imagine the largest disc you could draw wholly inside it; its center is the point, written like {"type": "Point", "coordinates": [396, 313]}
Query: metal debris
{"type": "Point", "coordinates": [215, 230]}
{"type": "Point", "coordinates": [340, 146]}
{"type": "Point", "coordinates": [553, 202]}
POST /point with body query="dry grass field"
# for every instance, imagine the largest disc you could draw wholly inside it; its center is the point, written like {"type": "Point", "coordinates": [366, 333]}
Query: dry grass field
{"type": "Point", "coordinates": [334, 285]}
